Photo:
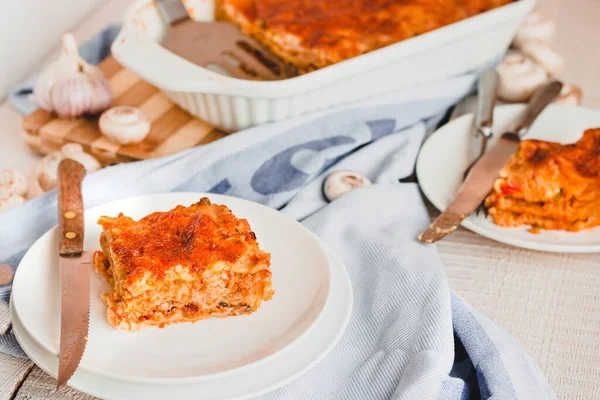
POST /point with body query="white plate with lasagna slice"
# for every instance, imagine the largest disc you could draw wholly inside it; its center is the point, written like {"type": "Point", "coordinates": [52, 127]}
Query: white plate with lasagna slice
{"type": "Point", "coordinates": [241, 384]}
{"type": "Point", "coordinates": [546, 198]}
{"type": "Point", "coordinates": [188, 287]}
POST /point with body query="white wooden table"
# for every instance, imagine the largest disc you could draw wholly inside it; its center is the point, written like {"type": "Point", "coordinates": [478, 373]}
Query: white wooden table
{"type": "Point", "coordinates": [549, 302]}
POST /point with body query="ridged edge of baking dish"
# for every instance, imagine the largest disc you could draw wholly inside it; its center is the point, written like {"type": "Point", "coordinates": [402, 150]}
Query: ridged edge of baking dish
{"type": "Point", "coordinates": [138, 42]}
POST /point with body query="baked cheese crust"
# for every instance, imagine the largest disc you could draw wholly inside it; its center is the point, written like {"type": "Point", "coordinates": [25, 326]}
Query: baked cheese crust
{"type": "Point", "coordinates": [182, 265]}
{"type": "Point", "coordinates": [550, 186]}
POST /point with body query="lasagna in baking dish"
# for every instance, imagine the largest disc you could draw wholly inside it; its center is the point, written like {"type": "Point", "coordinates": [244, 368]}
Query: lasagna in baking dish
{"type": "Point", "coordinates": [550, 186]}
{"type": "Point", "coordinates": [312, 34]}
{"type": "Point", "coordinates": [182, 265]}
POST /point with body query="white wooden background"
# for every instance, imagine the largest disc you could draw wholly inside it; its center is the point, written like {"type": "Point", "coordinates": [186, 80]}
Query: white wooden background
{"type": "Point", "coordinates": [549, 302]}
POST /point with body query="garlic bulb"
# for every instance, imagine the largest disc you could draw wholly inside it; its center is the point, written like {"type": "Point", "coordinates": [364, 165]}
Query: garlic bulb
{"type": "Point", "coordinates": [47, 169]}
{"type": "Point", "coordinates": [545, 56]}
{"type": "Point", "coordinates": [124, 125]}
{"type": "Point", "coordinates": [70, 86]}
{"type": "Point", "coordinates": [341, 182]}
{"type": "Point", "coordinates": [102, 98]}
{"type": "Point", "coordinates": [570, 95]}
{"type": "Point", "coordinates": [535, 28]}
{"type": "Point", "coordinates": [72, 97]}
{"type": "Point", "coordinates": [519, 77]}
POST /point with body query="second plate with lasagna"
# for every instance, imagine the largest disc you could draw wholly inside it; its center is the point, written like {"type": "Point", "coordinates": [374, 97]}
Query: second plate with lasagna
{"type": "Point", "coordinates": [546, 198]}
{"type": "Point", "coordinates": [264, 265]}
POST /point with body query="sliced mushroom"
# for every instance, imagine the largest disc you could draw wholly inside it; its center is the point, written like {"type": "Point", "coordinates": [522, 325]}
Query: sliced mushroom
{"type": "Point", "coordinates": [519, 77]}
{"type": "Point", "coordinates": [13, 181]}
{"type": "Point", "coordinates": [124, 125]}
{"type": "Point", "coordinates": [535, 28]}
{"type": "Point", "coordinates": [341, 182]}
{"type": "Point", "coordinates": [542, 54]}
{"type": "Point", "coordinates": [570, 95]}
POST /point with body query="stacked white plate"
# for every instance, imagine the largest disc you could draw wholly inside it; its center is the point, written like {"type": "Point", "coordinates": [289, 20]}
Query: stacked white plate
{"type": "Point", "coordinates": [231, 358]}
{"type": "Point", "coordinates": [447, 153]}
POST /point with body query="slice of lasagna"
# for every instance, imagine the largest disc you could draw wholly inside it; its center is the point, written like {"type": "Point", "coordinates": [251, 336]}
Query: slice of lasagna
{"type": "Point", "coordinates": [312, 34]}
{"type": "Point", "coordinates": [182, 265]}
{"type": "Point", "coordinates": [550, 186]}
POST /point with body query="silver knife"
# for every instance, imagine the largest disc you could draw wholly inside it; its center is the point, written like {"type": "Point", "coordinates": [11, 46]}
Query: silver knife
{"type": "Point", "coordinates": [487, 88]}
{"type": "Point", "coordinates": [74, 270]}
{"type": "Point", "coordinates": [480, 179]}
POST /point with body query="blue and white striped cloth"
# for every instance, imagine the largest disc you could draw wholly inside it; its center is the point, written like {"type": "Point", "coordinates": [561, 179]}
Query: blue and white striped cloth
{"type": "Point", "coordinates": [408, 337]}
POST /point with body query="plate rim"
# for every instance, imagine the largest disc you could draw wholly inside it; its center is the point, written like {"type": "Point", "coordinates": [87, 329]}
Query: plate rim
{"type": "Point", "coordinates": [468, 222]}
{"type": "Point", "coordinates": [83, 377]}
{"type": "Point", "coordinates": [213, 375]}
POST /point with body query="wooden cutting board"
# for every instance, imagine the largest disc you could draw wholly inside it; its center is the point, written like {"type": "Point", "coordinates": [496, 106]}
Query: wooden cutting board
{"type": "Point", "coordinates": [173, 129]}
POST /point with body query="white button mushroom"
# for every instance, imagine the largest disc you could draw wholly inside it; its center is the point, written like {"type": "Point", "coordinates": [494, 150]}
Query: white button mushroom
{"type": "Point", "coordinates": [9, 200]}
{"type": "Point", "coordinates": [542, 54]}
{"type": "Point", "coordinates": [570, 95]}
{"type": "Point", "coordinates": [6, 274]}
{"type": "Point", "coordinates": [14, 182]}
{"type": "Point", "coordinates": [47, 169]}
{"type": "Point", "coordinates": [519, 77]}
{"type": "Point", "coordinates": [124, 125]}
{"type": "Point", "coordinates": [341, 182]}
{"type": "Point", "coordinates": [87, 160]}
{"type": "Point", "coordinates": [535, 28]}
{"type": "Point", "coordinates": [70, 149]}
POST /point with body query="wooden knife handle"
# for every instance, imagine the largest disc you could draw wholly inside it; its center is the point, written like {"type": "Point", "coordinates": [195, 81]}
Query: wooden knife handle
{"type": "Point", "coordinates": [70, 207]}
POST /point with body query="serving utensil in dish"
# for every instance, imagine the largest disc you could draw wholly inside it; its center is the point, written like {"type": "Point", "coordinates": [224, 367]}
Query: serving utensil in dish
{"type": "Point", "coordinates": [558, 123]}
{"type": "Point", "coordinates": [232, 104]}
{"type": "Point", "coordinates": [209, 350]}
{"type": "Point", "coordinates": [219, 46]}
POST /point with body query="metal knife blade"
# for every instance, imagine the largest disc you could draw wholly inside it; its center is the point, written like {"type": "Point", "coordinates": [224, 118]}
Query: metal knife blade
{"type": "Point", "coordinates": [74, 270]}
{"type": "Point", "coordinates": [480, 179]}
{"type": "Point", "coordinates": [487, 88]}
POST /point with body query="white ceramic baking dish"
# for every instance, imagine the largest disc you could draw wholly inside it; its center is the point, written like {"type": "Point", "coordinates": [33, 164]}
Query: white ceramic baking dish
{"type": "Point", "coordinates": [232, 104]}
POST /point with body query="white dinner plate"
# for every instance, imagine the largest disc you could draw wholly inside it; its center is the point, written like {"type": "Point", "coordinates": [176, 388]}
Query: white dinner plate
{"type": "Point", "coordinates": [184, 352]}
{"type": "Point", "coordinates": [444, 158]}
{"type": "Point", "coordinates": [275, 372]}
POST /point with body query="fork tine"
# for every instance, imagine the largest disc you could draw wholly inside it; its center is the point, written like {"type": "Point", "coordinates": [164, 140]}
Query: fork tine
{"type": "Point", "coordinates": [235, 72]}
{"type": "Point", "coordinates": [248, 56]}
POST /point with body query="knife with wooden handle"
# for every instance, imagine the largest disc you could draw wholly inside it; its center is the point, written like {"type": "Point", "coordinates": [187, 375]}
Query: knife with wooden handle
{"type": "Point", "coordinates": [480, 179]}
{"type": "Point", "coordinates": [74, 270]}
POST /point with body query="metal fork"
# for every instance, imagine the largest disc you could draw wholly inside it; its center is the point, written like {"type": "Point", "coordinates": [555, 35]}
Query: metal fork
{"type": "Point", "coordinates": [487, 88]}
{"type": "Point", "coordinates": [219, 46]}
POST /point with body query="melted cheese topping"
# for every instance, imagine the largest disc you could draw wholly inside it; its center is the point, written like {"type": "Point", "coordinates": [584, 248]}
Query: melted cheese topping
{"type": "Point", "coordinates": [315, 33]}
{"type": "Point", "coordinates": [182, 265]}
{"type": "Point", "coordinates": [198, 237]}
{"type": "Point", "coordinates": [550, 186]}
